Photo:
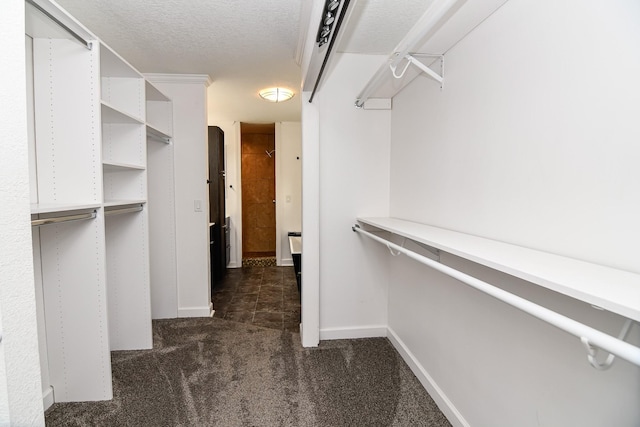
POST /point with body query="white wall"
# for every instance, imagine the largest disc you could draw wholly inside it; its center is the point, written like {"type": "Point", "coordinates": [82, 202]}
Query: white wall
{"type": "Point", "coordinates": [310, 262]}
{"type": "Point", "coordinates": [20, 387]}
{"type": "Point", "coordinates": [288, 187]}
{"type": "Point", "coordinates": [353, 181]}
{"type": "Point", "coordinates": [189, 96]}
{"type": "Point", "coordinates": [533, 141]}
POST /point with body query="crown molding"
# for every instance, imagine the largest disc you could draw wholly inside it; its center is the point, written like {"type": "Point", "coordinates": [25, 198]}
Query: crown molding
{"type": "Point", "coordinates": [179, 78]}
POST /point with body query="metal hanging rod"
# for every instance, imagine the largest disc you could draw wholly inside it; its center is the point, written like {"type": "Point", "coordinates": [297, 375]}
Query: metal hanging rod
{"type": "Point", "coordinates": [125, 210]}
{"type": "Point", "coordinates": [59, 219]}
{"type": "Point", "coordinates": [591, 338]}
{"type": "Point", "coordinates": [87, 44]}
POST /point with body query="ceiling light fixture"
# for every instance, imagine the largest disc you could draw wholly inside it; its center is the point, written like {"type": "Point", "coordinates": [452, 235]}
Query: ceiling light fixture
{"type": "Point", "coordinates": [276, 94]}
{"type": "Point", "coordinates": [326, 24]}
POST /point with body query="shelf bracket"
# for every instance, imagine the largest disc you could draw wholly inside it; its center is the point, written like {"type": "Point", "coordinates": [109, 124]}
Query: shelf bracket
{"type": "Point", "coordinates": [412, 60]}
{"type": "Point", "coordinates": [592, 351]}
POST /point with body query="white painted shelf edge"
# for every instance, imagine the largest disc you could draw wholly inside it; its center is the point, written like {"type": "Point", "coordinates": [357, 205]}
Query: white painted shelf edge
{"type": "Point", "coordinates": [154, 94]}
{"type": "Point", "coordinates": [111, 114]}
{"type": "Point", "coordinates": [157, 134]}
{"type": "Point", "coordinates": [122, 203]}
{"type": "Point", "coordinates": [40, 208]}
{"type": "Point", "coordinates": [615, 290]}
{"type": "Point", "coordinates": [115, 166]}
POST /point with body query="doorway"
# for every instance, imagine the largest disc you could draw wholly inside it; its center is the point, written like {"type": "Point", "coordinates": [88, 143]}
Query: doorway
{"type": "Point", "coordinates": [258, 177]}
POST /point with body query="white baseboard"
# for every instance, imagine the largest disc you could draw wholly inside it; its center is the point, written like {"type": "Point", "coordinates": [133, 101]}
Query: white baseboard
{"type": "Point", "coordinates": [372, 331]}
{"type": "Point", "coordinates": [47, 398]}
{"type": "Point", "coordinates": [286, 262]}
{"type": "Point", "coordinates": [196, 311]}
{"type": "Point", "coordinates": [233, 264]}
{"type": "Point", "coordinates": [443, 402]}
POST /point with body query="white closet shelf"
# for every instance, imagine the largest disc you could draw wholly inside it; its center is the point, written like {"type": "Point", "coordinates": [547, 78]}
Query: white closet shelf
{"type": "Point", "coordinates": [118, 166]}
{"type": "Point", "coordinates": [153, 94]}
{"type": "Point", "coordinates": [123, 203]}
{"type": "Point", "coordinates": [441, 27]}
{"type": "Point", "coordinates": [113, 65]}
{"type": "Point", "coordinates": [41, 208]}
{"type": "Point", "coordinates": [157, 134]}
{"type": "Point", "coordinates": [611, 289]}
{"type": "Point", "coordinates": [111, 114]}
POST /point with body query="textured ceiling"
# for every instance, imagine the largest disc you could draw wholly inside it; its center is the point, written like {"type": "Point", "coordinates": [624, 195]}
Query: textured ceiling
{"type": "Point", "coordinates": [377, 26]}
{"type": "Point", "coordinates": [243, 45]}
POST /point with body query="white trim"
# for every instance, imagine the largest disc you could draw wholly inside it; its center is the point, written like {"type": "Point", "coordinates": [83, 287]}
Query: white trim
{"type": "Point", "coordinates": [286, 262]}
{"type": "Point", "coordinates": [47, 398]}
{"type": "Point", "coordinates": [196, 311]}
{"type": "Point", "coordinates": [179, 78]}
{"type": "Point", "coordinates": [305, 17]}
{"type": "Point", "coordinates": [310, 298]}
{"type": "Point", "coordinates": [446, 406]}
{"type": "Point", "coordinates": [233, 265]}
{"type": "Point", "coordinates": [371, 331]}
{"type": "Point", "coordinates": [237, 224]}
{"type": "Point", "coordinates": [278, 173]}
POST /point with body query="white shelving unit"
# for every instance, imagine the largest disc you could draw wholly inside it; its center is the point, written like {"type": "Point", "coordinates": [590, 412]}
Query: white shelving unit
{"type": "Point", "coordinates": [88, 136]}
{"type": "Point", "coordinates": [160, 172]}
{"type": "Point", "coordinates": [122, 100]}
{"type": "Point", "coordinates": [615, 290]}
{"type": "Point", "coordinates": [66, 179]}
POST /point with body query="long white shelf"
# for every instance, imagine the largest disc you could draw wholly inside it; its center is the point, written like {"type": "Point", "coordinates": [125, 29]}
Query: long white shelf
{"type": "Point", "coordinates": [122, 203]}
{"type": "Point", "coordinates": [615, 290]}
{"type": "Point", "coordinates": [111, 114]}
{"type": "Point", "coordinates": [157, 134]}
{"type": "Point", "coordinates": [41, 208]}
{"type": "Point", "coordinates": [441, 27]}
{"type": "Point", "coordinates": [119, 166]}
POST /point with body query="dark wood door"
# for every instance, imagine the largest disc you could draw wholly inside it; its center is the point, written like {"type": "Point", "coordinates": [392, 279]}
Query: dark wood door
{"type": "Point", "coordinates": [217, 204]}
{"type": "Point", "coordinates": [258, 190]}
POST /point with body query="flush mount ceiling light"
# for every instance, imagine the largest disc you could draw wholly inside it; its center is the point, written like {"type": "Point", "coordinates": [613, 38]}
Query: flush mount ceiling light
{"type": "Point", "coordinates": [276, 94]}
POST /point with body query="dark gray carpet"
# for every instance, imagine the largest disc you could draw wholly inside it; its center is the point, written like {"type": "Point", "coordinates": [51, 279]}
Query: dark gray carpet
{"type": "Point", "coordinates": [214, 372]}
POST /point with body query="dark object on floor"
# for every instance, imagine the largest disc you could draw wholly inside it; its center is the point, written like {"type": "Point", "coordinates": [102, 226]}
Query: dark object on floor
{"type": "Point", "coordinates": [212, 372]}
{"type": "Point", "coordinates": [295, 246]}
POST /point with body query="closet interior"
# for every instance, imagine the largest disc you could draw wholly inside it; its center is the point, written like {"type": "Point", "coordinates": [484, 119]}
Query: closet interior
{"type": "Point", "coordinates": [94, 124]}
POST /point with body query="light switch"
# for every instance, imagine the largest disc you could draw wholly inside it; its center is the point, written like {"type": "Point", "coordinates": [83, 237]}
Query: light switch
{"type": "Point", "coordinates": [197, 205]}
{"type": "Point", "coordinates": [288, 199]}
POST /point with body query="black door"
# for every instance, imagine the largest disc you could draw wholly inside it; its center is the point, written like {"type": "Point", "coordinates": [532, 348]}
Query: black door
{"type": "Point", "coordinates": [217, 204]}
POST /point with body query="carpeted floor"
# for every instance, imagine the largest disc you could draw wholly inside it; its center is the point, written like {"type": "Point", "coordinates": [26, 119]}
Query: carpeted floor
{"type": "Point", "coordinates": [215, 372]}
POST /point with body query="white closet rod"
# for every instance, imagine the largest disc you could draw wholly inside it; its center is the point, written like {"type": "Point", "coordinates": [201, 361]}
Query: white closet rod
{"type": "Point", "coordinates": [59, 219]}
{"type": "Point", "coordinates": [123, 210]}
{"type": "Point", "coordinates": [75, 35]}
{"type": "Point", "coordinates": [591, 338]}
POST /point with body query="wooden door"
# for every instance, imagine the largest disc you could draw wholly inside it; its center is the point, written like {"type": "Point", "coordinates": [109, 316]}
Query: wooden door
{"type": "Point", "coordinates": [258, 191]}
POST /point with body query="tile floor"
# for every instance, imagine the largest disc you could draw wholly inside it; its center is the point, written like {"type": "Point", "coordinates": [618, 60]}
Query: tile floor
{"type": "Point", "coordinates": [263, 296]}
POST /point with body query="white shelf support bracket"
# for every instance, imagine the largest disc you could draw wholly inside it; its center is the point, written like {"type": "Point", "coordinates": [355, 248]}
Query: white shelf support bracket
{"type": "Point", "coordinates": [412, 60]}
{"type": "Point", "coordinates": [592, 351]}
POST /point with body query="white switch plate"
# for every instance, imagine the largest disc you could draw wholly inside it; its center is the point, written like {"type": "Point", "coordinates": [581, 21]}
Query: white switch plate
{"type": "Point", "coordinates": [288, 199]}
{"type": "Point", "coordinates": [197, 205]}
